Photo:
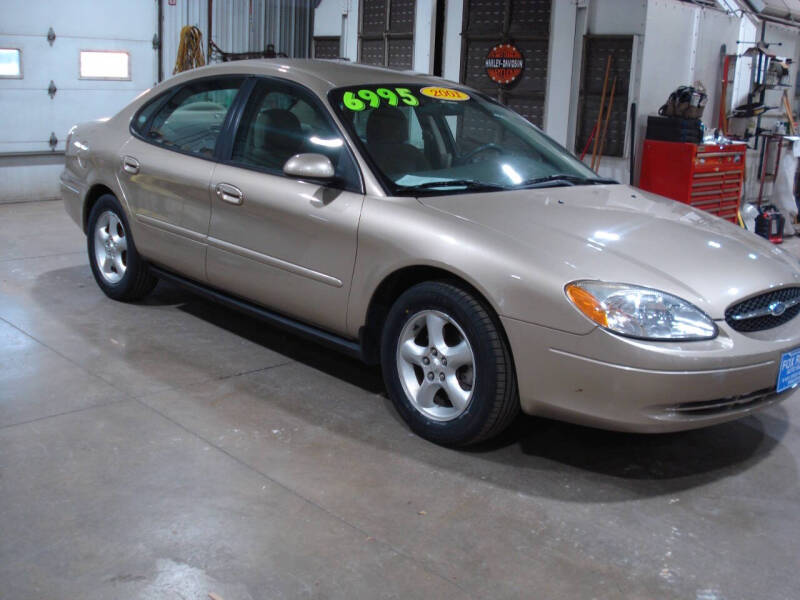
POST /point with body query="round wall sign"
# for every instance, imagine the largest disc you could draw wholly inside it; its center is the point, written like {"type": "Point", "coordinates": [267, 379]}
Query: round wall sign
{"type": "Point", "coordinates": [504, 63]}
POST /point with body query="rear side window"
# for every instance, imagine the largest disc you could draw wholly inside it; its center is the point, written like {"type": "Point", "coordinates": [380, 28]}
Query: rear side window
{"type": "Point", "coordinates": [142, 117]}
{"type": "Point", "coordinates": [191, 119]}
{"type": "Point", "coordinates": [281, 120]}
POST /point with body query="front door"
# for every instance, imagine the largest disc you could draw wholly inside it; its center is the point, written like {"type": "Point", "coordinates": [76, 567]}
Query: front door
{"type": "Point", "coordinates": [286, 244]}
{"type": "Point", "coordinates": [165, 172]}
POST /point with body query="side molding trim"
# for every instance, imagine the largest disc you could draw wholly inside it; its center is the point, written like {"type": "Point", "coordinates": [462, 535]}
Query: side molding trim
{"type": "Point", "coordinates": [277, 263]}
{"type": "Point", "coordinates": [170, 228]}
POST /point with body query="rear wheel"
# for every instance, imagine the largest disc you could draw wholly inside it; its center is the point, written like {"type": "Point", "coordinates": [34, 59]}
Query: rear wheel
{"type": "Point", "coordinates": [447, 366]}
{"type": "Point", "coordinates": [117, 267]}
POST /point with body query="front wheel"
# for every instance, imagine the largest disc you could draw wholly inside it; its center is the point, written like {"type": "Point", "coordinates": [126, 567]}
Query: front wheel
{"type": "Point", "coordinates": [116, 265]}
{"type": "Point", "coordinates": [447, 365]}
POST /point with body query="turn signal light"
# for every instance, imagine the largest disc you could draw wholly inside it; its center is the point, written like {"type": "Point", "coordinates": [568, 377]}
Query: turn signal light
{"type": "Point", "coordinates": [587, 304]}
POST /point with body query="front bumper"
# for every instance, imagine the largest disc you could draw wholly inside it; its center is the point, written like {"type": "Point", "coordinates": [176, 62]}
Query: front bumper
{"type": "Point", "coordinates": [608, 381]}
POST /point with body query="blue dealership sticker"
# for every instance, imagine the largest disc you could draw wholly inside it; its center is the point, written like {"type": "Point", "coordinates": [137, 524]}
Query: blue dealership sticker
{"type": "Point", "coordinates": [789, 374]}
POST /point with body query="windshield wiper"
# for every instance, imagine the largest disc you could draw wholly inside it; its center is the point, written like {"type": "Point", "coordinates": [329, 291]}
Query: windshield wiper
{"type": "Point", "coordinates": [564, 179]}
{"type": "Point", "coordinates": [468, 184]}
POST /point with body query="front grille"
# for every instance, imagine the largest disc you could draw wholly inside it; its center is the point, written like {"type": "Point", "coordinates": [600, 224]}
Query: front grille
{"type": "Point", "coordinates": [754, 313]}
{"type": "Point", "coordinates": [705, 408]}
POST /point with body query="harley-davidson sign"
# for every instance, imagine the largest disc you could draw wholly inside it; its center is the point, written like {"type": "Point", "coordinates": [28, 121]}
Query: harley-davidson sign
{"type": "Point", "coordinates": [504, 63]}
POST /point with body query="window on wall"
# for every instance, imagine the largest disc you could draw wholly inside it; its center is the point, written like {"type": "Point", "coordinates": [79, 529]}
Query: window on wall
{"type": "Point", "coordinates": [386, 35]}
{"type": "Point", "coordinates": [596, 50]}
{"type": "Point", "coordinates": [10, 63]}
{"type": "Point", "coordinates": [326, 47]}
{"type": "Point", "coordinates": [105, 64]}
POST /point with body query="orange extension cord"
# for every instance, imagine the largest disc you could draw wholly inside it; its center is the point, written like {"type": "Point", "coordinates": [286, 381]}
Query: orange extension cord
{"type": "Point", "coordinates": [190, 50]}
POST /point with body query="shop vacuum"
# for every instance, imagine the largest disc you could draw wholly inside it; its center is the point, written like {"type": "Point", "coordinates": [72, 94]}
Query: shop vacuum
{"type": "Point", "coordinates": [769, 223]}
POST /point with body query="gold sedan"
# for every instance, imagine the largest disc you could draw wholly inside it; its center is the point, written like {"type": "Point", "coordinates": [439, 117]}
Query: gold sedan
{"type": "Point", "coordinates": [419, 224]}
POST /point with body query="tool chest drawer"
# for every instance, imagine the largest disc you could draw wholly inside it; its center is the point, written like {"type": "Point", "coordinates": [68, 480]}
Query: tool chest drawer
{"type": "Point", "coordinates": [707, 176]}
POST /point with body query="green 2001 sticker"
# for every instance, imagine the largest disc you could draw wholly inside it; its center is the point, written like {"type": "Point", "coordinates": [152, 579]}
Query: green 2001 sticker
{"type": "Point", "coordinates": [359, 99]}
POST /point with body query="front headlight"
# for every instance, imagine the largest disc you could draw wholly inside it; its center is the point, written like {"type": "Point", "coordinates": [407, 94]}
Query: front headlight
{"type": "Point", "coordinates": [640, 312]}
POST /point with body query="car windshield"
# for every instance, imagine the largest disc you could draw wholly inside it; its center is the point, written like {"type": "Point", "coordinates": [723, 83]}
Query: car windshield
{"type": "Point", "coordinates": [425, 140]}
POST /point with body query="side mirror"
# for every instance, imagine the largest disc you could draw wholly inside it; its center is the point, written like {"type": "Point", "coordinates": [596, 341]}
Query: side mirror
{"type": "Point", "coordinates": [309, 166]}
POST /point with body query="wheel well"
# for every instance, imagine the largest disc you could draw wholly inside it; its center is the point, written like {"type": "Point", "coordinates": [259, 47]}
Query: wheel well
{"type": "Point", "coordinates": [92, 196]}
{"type": "Point", "coordinates": [390, 290]}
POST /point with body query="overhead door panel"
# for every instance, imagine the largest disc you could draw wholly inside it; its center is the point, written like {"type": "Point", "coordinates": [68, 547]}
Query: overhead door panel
{"type": "Point", "coordinates": [28, 113]}
{"type": "Point", "coordinates": [110, 19]}
{"type": "Point", "coordinates": [386, 34]}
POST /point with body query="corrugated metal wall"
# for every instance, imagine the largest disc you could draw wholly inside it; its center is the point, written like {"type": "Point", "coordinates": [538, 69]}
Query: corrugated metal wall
{"type": "Point", "coordinates": [241, 26]}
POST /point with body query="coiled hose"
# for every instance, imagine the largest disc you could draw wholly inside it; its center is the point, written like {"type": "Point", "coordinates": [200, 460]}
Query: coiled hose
{"type": "Point", "coordinates": [190, 50]}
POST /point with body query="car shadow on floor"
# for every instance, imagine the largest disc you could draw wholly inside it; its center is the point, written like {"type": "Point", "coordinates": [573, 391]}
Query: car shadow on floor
{"type": "Point", "coordinates": [535, 456]}
{"type": "Point", "coordinates": [286, 343]}
{"type": "Point", "coordinates": [618, 465]}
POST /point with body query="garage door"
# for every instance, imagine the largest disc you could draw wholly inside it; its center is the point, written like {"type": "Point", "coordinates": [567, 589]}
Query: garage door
{"type": "Point", "coordinates": [112, 34]}
{"type": "Point", "coordinates": [526, 25]}
{"type": "Point", "coordinates": [386, 35]}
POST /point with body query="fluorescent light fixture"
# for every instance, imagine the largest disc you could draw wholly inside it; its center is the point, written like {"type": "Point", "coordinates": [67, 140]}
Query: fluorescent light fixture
{"type": "Point", "coordinates": [105, 64]}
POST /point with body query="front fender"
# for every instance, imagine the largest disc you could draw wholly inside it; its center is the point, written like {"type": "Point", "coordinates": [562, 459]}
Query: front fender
{"type": "Point", "coordinates": [396, 233]}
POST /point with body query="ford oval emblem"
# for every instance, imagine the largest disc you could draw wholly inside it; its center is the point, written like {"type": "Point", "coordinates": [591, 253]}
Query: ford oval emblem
{"type": "Point", "coordinates": [776, 309]}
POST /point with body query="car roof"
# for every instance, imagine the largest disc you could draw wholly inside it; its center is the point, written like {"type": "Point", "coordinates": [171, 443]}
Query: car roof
{"type": "Point", "coordinates": [320, 75]}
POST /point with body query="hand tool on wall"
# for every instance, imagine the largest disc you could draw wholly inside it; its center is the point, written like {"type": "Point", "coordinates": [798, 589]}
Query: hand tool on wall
{"type": "Point", "coordinates": [589, 141]}
{"type": "Point", "coordinates": [633, 141]}
{"type": "Point", "coordinates": [596, 164]}
{"type": "Point", "coordinates": [787, 105]}
{"type": "Point", "coordinates": [600, 112]}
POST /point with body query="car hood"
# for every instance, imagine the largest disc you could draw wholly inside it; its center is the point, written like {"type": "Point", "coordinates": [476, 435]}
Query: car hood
{"type": "Point", "coordinates": [623, 234]}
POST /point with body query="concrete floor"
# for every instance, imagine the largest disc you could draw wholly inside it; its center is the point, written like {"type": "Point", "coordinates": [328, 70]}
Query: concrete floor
{"type": "Point", "coordinates": [173, 449]}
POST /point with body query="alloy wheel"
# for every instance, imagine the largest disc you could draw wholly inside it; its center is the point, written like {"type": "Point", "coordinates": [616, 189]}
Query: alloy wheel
{"type": "Point", "coordinates": [436, 365]}
{"type": "Point", "coordinates": [110, 247]}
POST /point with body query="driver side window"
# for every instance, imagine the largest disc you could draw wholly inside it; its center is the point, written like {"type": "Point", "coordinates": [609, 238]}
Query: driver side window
{"type": "Point", "coordinates": [280, 121]}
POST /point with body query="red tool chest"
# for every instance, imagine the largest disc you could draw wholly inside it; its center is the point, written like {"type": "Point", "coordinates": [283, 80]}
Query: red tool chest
{"type": "Point", "coordinates": [706, 176]}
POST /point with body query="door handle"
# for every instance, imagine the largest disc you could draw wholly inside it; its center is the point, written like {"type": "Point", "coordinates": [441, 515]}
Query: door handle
{"type": "Point", "coordinates": [229, 193]}
{"type": "Point", "coordinates": [130, 165]}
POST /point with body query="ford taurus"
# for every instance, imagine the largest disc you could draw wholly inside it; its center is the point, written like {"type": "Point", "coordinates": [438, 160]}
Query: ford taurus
{"type": "Point", "coordinates": [419, 224]}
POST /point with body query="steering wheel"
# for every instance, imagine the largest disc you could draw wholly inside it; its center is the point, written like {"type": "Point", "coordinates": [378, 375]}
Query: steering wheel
{"type": "Point", "coordinates": [464, 158]}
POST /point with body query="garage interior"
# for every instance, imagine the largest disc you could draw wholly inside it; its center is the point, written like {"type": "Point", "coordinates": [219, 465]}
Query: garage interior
{"type": "Point", "coordinates": [173, 448]}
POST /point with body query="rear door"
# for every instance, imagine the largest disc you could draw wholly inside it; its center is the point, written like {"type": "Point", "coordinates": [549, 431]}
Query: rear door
{"type": "Point", "coordinates": [286, 244]}
{"type": "Point", "coordinates": [166, 171]}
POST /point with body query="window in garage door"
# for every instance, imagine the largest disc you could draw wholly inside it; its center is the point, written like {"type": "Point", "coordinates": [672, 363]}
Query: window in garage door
{"type": "Point", "coordinates": [10, 63]}
{"type": "Point", "coordinates": [526, 24]}
{"type": "Point", "coordinates": [105, 64]}
{"type": "Point", "coordinates": [386, 33]}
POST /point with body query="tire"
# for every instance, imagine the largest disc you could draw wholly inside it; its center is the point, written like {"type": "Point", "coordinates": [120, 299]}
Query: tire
{"type": "Point", "coordinates": [116, 265]}
{"type": "Point", "coordinates": [457, 403]}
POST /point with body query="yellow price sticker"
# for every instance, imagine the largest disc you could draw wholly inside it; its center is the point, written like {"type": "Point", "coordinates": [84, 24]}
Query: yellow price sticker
{"type": "Point", "coordinates": [442, 93]}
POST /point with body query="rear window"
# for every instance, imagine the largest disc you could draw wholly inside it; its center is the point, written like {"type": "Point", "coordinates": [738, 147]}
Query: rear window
{"type": "Point", "coordinates": [189, 120]}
